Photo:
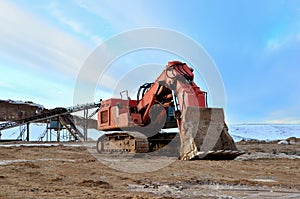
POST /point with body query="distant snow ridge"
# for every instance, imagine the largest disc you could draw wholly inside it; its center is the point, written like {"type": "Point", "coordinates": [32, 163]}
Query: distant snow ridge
{"type": "Point", "coordinates": [267, 132]}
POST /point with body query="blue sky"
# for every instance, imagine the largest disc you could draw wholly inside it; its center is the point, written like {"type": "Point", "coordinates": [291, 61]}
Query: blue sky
{"type": "Point", "coordinates": [255, 45]}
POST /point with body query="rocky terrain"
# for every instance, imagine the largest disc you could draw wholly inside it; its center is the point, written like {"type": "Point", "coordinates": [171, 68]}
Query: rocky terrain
{"type": "Point", "coordinates": [72, 170]}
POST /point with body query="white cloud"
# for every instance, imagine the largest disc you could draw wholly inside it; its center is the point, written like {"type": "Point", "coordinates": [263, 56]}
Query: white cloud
{"type": "Point", "coordinates": [29, 40]}
{"type": "Point", "coordinates": [73, 24]}
{"type": "Point", "coordinates": [96, 39]}
{"type": "Point", "coordinates": [121, 14]}
{"type": "Point", "coordinates": [287, 115]}
{"type": "Point", "coordinates": [44, 53]}
{"type": "Point", "coordinates": [275, 44]}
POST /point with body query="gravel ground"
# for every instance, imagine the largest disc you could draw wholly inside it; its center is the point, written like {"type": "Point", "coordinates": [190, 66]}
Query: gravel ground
{"type": "Point", "coordinates": [74, 171]}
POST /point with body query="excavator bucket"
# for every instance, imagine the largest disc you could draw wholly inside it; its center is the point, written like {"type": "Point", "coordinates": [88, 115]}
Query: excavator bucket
{"type": "Point", "coordinates": [204, 135]}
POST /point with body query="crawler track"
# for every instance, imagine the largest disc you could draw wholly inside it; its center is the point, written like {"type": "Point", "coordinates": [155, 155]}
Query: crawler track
{"type": "Point", "coordinates": [123, 142]}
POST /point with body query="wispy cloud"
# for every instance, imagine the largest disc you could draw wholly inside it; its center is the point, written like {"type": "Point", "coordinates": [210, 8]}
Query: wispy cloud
{"type": "Point", "coordinates": [25, 38]}
{"type": "Point", "coordinates": [121, 14]}
{"type": "Point", "coordinates": [73, 24]}
{"type": "Point", "coordinates": [282, 121]}
{"type": "Point", "coordinates": [286, 115]}
{"type": "Point", "coordinates": [276, 44]}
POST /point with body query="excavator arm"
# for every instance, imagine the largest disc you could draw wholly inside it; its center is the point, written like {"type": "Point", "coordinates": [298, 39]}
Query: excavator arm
{"type": "Point", "coordinates": [178, 78]}
{"type": "Point", "coordinates": [202, 130]}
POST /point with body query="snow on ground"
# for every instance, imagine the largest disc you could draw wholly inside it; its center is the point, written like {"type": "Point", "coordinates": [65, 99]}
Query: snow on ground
{"type": "Point", "coordinates": [267, 132]}
{"type": "Point", "coordinates": [6, 162]}
{"type": "Point", "coordinates": [92, 133]}
{"type": "Point", "coordinates": [38, 129]}
{"type": "Point", "coordinates": [35, 129]}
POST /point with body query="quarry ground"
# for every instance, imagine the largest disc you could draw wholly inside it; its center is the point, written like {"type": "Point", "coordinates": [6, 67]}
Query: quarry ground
{"type": "Point", "coordinates": [69, 171]}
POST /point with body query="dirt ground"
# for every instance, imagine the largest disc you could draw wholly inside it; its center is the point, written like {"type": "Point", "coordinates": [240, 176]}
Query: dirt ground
{"type": "Point", "coordinates": [73, 171]}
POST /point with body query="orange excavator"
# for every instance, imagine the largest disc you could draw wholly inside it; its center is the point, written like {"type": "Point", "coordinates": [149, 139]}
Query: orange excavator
{"type": "Point", "coordinates": [172, 101]}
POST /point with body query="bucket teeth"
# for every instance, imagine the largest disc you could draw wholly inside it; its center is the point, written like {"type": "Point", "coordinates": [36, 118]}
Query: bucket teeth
{"type": "Point", "coordinates": [218, 155]}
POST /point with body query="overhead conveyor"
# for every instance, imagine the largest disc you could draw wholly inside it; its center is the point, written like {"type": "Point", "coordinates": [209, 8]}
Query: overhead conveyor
{"type": "Point", "coordinates": [62, 113]}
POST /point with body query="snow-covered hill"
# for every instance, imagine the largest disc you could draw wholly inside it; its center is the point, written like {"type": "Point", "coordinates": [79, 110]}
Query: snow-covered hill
{"type": "Point", "coordinates": [265, 132]}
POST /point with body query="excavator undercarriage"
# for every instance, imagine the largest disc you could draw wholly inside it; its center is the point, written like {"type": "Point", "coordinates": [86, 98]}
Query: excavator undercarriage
{"type": "Point", "coordinates": [204, 135]}
{"type": "Point", "coordinates": [136, 143]}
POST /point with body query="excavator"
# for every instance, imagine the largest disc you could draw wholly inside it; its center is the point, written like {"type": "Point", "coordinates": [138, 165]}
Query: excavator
{"type": "Point", "coordinates": [172, 101]}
